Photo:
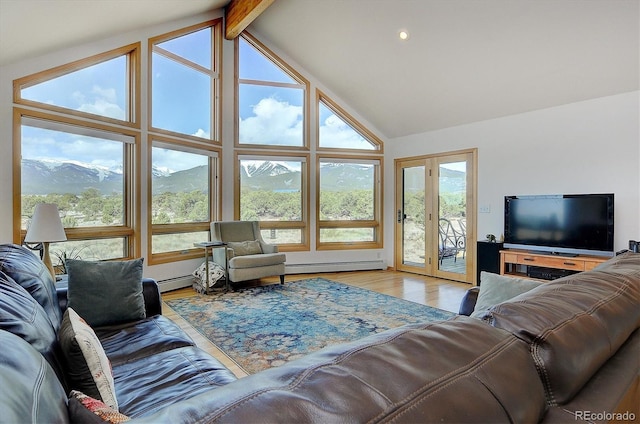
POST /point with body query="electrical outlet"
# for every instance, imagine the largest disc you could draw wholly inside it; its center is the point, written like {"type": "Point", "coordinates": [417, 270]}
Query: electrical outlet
{"type": "Point", "coordinates": [485, 208]}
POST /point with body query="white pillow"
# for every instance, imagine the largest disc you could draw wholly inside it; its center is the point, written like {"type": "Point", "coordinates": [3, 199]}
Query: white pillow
{"type": "Point", "coordinates": [495, 289]}
{"type": "Point", "coordinates": [88, 367]}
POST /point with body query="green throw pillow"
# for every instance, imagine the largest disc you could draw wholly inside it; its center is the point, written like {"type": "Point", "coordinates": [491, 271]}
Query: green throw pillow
{"type": "Point", "coordinates": [105, 293]}
{"type": "Point", "coordinates": [495, 289]}
{"type": "Point", "coordinates": [242, 248]}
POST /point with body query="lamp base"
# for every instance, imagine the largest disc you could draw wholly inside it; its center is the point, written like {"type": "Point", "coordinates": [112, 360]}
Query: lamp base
{"type": "Point", "coordinates": [46, 259]}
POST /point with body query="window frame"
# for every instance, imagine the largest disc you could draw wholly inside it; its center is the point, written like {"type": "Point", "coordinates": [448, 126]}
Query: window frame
{"type": "Point", "coordinates": [376, 223]}
{"type": "Point", "coordinates": [215, 208]}
{"type": "Point", "coordinates": [349, 120]}
{"type": "Point", "coordinates": [303, 224]}
{"type": "Point", "coordinates": [131, 51]}
{"type": "Point", "coordinates": [215, 74]}
{"type": "Point", "coordinates": [131, 206]}
{"type": "Point", "coordinates": [303, 84]}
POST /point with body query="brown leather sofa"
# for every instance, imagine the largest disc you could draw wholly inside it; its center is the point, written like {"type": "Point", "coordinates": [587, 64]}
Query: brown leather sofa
{"type": "Point", "coordinates": [566, 351]}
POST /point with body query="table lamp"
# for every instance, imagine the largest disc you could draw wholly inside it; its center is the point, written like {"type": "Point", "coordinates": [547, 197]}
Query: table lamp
{"type": "Point", "coordinates": [46, 227]}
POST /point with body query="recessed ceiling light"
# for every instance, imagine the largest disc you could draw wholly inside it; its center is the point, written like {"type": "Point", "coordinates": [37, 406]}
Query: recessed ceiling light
{"type": "Point", "coordinates": [403, 34]}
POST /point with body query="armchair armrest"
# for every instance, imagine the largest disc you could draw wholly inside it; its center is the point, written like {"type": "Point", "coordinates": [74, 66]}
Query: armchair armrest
{"type": "Point", "coordinates": [268, 248]}
{"type": "Point", "coordinates": [150, 292]}
{"type": "Point", "coordinates": [469, 301]}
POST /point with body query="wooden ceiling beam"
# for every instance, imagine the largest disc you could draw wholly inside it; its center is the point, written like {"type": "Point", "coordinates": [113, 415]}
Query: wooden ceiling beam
{"type": "Point", "coordinates": [240, 13]}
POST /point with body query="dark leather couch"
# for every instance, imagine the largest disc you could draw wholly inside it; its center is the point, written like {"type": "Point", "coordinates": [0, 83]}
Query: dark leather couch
{"type": "Point", "coordinates": [154, 362]}
{"type": "Point", "coordinates": [566, 351]}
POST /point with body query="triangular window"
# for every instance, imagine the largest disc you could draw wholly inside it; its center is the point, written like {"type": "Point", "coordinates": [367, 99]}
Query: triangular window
{"type": "Point", "coordinates": [338, 130]}
{"type": "Point", "coordinates": [98, 86]}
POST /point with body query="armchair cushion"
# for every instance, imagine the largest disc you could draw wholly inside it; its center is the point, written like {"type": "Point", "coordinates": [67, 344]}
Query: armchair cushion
{"type": "Point", "coordinates": [252, 261]}
{"type": "Point", "coordinates": [242, 248]}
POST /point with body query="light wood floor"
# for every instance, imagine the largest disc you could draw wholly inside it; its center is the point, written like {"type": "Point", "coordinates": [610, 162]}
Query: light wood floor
{"type": "Point", "coordinates": [443, 294]}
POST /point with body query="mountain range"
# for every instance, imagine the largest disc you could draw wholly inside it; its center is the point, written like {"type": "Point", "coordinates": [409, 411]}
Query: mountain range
{"type": "Point", "coordinates": [48, 177]}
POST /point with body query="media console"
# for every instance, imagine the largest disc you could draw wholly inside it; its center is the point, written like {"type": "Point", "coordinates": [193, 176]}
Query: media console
{"type": "Point", "coordinates": [521, 263]}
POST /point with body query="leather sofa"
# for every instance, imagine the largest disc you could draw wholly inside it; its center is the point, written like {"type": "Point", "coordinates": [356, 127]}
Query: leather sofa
{"type": "Point", "coordinates": [563, 352]}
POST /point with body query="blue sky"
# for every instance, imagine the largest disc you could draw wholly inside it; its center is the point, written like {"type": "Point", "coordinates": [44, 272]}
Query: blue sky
{"type": "Point", "coordinates": [181, 102]}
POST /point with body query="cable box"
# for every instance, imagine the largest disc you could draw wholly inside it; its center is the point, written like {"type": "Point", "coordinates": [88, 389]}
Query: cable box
{"type": "Point", "coordinates": [544, 273]}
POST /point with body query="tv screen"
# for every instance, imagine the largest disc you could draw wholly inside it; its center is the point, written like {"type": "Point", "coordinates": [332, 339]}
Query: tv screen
{"type": "Point", "coordinates": [562, 224]}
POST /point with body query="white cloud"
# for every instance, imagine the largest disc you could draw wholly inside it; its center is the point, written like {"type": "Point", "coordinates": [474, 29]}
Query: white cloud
{"type": "Point", "coordinates": [202, 133]}
{"type": "Point", "coordinates": [274, 123]}
{"type": "Point", "coordinates": [100, 101]}
{"type": "Point", "coordinates": [334, 132]}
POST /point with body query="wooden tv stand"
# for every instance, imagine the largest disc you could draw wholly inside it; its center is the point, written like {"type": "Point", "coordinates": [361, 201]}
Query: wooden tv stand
{"type": "Point", "coordinates": [512, 259]}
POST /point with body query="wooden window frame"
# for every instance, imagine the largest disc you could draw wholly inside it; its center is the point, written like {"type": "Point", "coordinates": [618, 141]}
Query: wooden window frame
{"type": "Point", "coordinates": [303, 224]}
{"type": "Point", "coordinates": [215, 73]}
{"type": "Point", "coordinates": [131, 51]}
{"type": "Point", "coordinates": [131, 183]}
{"type": "Point", "coordinates": [303, 84]}
{"type": "Point", "coordinates": [349, 120]}
{"type": "Point", "coordinates": [215, 163]}
{"type": "Point", "coordinates": [376, 224]}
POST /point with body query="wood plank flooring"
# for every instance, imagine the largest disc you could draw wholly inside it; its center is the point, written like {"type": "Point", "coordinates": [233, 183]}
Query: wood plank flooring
{"type": "Point", "coordinates": [443, 294]}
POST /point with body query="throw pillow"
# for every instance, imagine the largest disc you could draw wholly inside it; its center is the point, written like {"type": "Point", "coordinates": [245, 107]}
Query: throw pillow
{"type": "Point", "coordinates": [88, 367]}
{"type": "Point", "coordinates": [242, 248]}
{"type": "Point", "coordinates": [216, 272]}
{"type": "Point", "coordinates": [87, 410]}
{"type": "Point", "coordinates": [106, 293]}
{"type": "Point", "coordinates": [495, 289]}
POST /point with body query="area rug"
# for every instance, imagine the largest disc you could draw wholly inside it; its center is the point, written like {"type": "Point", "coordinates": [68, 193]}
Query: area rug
{"type": "Point", "coordinates": [266, 326]}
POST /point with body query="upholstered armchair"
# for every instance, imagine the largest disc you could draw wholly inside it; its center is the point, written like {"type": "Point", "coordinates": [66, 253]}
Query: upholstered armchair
{"type": "Point", "coordinates": [248, 256]}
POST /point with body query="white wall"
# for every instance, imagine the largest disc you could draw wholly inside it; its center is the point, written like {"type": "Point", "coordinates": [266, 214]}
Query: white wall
{"type": "Point", "coordinates": [586, 147]}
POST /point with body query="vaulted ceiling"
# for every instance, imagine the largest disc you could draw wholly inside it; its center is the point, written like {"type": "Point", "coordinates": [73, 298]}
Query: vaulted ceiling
{"type": "Point", "coordinates": [464, 61]}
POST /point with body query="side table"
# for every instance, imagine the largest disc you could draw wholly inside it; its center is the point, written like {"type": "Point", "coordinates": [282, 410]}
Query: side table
{"type": "Point", "coordinates": [206, 245]}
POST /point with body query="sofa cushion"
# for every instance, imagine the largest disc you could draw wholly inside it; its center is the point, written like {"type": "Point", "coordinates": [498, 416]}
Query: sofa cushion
{"type": "Point", "coordinates": [496, 289]}
{"type": "Point", "coordinates": [88, 367]}
{"type": "Point", "coordinates": [21, 315]}
{"type": "Point", "coordinates": [146, 385]}
{"type": "Point", "coordinates": [574, 325]}
{"type": "Point", "coordinates": [87, 410]}
{"type": "Point", "coordinates": [460, 370]}
{"type": "Point", "coordinates": [241, 248]}
{"type": "Point", "coordinates": [26, 269]}
{"type": "Point", "coordinates": [139, 339]}
{"type": "Point", "coordinates": [30, 391]}
{"type": "Point", "coordinates": [104, 293]}
{"type": "Point", "coordinates": [252, 261]}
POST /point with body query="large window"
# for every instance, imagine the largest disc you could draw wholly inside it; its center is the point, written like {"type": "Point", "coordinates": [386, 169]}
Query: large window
{"type": "Point", "coordinates": [349, 186]}
{"type": "Point", "coordinates": [349, 202]}
{"type": "Point", "coordinates": [76, 146]}
{"type": "Point", "coordinates": [183, 193]}
{"type": "Point", "coordinates": [272, 191]}
{"type": "Point", "coordinates": [185, 83]}
{"type": "Point", "coordinates": [271, 98]}
{"type": "Point", "coordinates": [185, 118]}
{"type": "Point", "coordinates": [80, 169]}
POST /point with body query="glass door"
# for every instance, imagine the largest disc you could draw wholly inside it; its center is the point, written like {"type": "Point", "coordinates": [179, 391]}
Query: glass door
{"type": "Point", "coordinates": [410, 216]}
{"type": "Point", "coordinates": [435, 215]}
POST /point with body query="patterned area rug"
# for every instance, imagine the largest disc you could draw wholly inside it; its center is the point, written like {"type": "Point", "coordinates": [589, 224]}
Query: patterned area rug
{"type": "Point", "coordinates": [266, 326]}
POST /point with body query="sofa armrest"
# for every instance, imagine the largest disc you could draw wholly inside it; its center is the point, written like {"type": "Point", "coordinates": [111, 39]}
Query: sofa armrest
{"type": "Point", "coordinates": [150, 292]}
{"type": "Point", "coordinates": [469, 301]}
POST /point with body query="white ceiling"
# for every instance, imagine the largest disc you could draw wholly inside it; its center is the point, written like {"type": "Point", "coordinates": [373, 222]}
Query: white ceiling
{"type": "Point", "coordinates": [465, 60]}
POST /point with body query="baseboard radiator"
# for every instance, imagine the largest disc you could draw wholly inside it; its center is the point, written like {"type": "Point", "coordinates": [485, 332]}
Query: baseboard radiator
{"type": "Point", "coordinates": [312, 268]}
{"type": "Point", "coordinates": [335, 267]}
{"type": "Point", "coordinates": [175, 283]}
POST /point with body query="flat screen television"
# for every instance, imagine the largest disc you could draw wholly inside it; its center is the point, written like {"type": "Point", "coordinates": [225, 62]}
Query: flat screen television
{"type": "Point", "coordinates": [566, 224]}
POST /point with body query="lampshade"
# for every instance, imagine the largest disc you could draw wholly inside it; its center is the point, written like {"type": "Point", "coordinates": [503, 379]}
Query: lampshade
{"type": "Point", "coordinates": [46, 225]}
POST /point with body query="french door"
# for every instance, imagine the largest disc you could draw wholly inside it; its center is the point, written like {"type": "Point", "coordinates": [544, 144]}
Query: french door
{"type": "Point", "coordinates": [435, 215]}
